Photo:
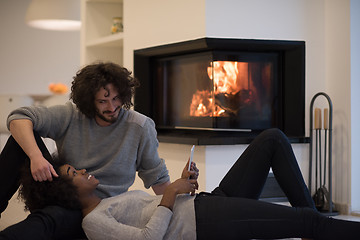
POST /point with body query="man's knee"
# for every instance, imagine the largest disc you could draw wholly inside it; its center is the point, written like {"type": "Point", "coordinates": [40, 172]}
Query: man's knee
{"type": "Point", "coordinates": [273, 132]}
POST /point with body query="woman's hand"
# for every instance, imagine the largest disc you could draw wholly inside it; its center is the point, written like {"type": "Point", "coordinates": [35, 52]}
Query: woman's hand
{"type": "Point", "coordinates": [182, 185]}
{"type": "Point", "coordinates": [186, 184]}
{"type": "Point", "coordinates": [193, 173]}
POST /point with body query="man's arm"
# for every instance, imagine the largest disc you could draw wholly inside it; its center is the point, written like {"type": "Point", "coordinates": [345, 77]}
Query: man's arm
{"type": "Point", "coordinates": [22, 131]}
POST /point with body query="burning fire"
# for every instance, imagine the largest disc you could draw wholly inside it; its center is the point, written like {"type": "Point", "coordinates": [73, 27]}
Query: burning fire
{"type": "Point", "coordinates": [229, 80]}
{"type": "Point", "coordinates": [202, 105]}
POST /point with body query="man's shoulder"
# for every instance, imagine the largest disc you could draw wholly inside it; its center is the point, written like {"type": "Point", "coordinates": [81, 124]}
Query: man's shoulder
{"type": "Point", "coordinates": [137, 118]}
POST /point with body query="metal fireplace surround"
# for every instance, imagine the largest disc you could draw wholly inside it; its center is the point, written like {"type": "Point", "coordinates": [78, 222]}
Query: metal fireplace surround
{"type": "Point", "coordinates": [169, 78]}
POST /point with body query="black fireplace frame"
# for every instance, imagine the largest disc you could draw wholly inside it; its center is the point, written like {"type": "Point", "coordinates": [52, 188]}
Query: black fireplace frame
{"type": "Point", "coordinates": [292, 71]}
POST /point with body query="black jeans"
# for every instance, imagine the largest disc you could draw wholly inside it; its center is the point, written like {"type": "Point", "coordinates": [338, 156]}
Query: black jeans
{"type": "Point", "coordinates": [233, 211]}
{"type": "Point", "coordinates": [52, 222]}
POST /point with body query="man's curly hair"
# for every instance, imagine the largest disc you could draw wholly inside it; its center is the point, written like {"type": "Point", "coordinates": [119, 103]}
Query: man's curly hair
{"type": "Point", "coordinates": [37, 195]}
{"type": "Point", "coordinates": [89, 80]}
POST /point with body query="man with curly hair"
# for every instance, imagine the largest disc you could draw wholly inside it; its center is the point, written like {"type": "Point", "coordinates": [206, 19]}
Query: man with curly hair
{"type": "Point", "coordinates": [98, 132]}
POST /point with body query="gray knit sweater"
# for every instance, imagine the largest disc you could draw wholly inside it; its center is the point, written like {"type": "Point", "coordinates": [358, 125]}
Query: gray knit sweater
{"type": "Point", "coordinates": [135, 215]}
{"type": "Point", "coordinates": [112, 154]}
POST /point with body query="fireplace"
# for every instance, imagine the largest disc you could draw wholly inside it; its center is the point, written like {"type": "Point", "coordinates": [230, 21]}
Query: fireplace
{"type": "Point", "coordinates": [222, 91]}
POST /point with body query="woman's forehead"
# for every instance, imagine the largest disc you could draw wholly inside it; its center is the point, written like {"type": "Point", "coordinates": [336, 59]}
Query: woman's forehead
{"type": "Point", "coordinates": [65, 169]}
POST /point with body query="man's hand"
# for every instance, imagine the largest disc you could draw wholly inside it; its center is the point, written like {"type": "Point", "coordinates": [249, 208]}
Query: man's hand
{"type": "Point", "coordinates": [23, 133]}
{"type": "Point", "coordinates": [42, 170]}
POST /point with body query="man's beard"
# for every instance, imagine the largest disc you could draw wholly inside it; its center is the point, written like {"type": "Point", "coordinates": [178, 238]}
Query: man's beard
{"type": "Point", "coordinates": [109, 120]}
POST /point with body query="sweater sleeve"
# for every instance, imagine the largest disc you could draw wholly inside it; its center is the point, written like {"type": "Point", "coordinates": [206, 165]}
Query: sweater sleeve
{"type": "Point", "coordinates": [101, 225]}
{"type": "Point", "coordinates": [49, 122]}
{"type": "Point", "coordinates": [151, 168]}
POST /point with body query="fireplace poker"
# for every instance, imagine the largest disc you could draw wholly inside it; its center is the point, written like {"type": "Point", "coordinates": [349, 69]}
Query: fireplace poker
{"type": "Point", "coordinates": [317, 145]}
{"type": "Point", "coordinates": [326, 128]}
{"type": "Point", "coordinates": [320, 192]}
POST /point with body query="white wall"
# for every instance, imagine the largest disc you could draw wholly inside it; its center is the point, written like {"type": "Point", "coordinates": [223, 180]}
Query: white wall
{"type": "Point", "coordinates": [338, 86]}
{"type": "Point", "coordinates": [355, 100]}
{"type": "Point", "coordinates": [32, 58]}
{"type": "Point", "coordinates": [150, 23]}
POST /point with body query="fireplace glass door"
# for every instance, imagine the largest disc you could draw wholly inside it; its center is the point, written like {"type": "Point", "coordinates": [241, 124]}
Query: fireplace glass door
{"type": "Point", "coordinates": [237, 91]}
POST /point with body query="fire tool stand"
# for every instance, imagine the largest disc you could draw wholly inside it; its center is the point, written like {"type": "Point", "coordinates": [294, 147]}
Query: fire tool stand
{"type": "Point", "coordinates": [323, 163]}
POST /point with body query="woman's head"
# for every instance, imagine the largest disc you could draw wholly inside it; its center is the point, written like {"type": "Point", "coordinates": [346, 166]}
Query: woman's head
{"type": "Point", "coordinates": [65, 190]}
{"type": "Point", "coordinates": [89, 80]}
{"type": "Point", "coordinates": [37, 195]}
{"type": "Point", "coordinates": [84, 182]}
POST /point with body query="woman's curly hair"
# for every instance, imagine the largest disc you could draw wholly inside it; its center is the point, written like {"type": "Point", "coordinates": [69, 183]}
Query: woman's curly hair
{"type": "Point", "coordinates": [37, 195]}
{"type": "Point", "coordinates": [91, 78]}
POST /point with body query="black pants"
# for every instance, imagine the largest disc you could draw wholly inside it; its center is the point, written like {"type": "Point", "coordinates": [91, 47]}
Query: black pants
{"type": "Point", "coordinates": [52, 222]}
{"type": "Point", "coordinates": [233, 211]}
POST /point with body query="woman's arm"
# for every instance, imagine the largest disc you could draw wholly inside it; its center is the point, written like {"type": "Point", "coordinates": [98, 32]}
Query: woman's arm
{"type": "Point", "coordinates": [159, 189]}
{"type": "Point", "coordinates": [182, 185]}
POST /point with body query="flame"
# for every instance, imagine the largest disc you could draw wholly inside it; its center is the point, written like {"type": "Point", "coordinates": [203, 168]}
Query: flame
{"type": "Point", "coordinates": [228, 78]}
{"type": "Point", "coordinates": [201, 104]}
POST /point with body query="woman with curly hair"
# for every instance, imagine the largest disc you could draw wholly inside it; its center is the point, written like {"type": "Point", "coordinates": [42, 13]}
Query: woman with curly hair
{"type": "Point", "coordinates": [38, 195]}
{"type": "Point", "coordinates": [231, 211]}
